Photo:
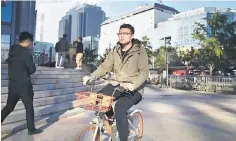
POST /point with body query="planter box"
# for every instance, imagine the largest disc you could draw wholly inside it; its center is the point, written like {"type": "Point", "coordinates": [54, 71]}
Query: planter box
{"type": "Point", "coordinates": [88, 68]}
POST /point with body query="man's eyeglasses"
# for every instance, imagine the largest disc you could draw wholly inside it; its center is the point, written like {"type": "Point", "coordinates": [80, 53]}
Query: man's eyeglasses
{"type": "Point", "coordinates": [124, 33]}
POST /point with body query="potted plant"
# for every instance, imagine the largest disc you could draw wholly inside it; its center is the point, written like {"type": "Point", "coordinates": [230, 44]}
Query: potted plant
{"type": "Point", "coordinates": [89, 58]}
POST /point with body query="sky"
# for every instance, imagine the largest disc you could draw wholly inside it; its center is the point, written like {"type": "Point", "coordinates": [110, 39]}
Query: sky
{"type": "Point", "coordinates": [55, 10]}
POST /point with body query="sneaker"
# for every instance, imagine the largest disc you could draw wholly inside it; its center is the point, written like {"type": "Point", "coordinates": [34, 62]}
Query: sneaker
{"type": "Point", "coordinates": [78, 68]}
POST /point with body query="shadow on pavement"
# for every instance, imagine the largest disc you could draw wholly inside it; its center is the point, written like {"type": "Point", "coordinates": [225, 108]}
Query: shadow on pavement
{"type": "Point", "coordinates": [49, 119]}
{"type": "Point", "coordinates": [17, 134]}
{"type": "Point", "coordinates": [53, 118]}
{"type": "Point", "coordinates": [197, 120]}
{"type": "Point", "coordinates": [153, 87]}
{"type": "Point", "coordinates": [147, 138]}
{"type": "Point", "coordinates": [222, 107]}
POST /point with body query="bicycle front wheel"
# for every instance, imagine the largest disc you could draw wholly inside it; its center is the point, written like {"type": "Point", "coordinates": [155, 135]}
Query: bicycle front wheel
{"type": "Point", "coordinates": [137, 120]}
{"type": "Point", "coordinates": [88, 134]}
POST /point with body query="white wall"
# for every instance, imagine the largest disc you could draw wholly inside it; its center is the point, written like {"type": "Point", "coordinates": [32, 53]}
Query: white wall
{"type": "Point", "coordinates": [165, 29]}
{"type": "Point", "coordinates": [143, 24]}
{"type": "Point", "coordinates": [161, 16]}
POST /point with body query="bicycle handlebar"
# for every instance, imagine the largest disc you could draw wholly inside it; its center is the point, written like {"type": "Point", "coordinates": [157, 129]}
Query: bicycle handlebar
{"type": "Point", "coordinates": [119, 88]}
{"type": "Point", "coordinates": [92, 83]}
{"type": "Point", "coordinates": [118, 81]}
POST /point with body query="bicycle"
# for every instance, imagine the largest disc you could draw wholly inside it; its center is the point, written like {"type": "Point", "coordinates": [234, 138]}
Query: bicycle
{"type": "Point", "coordinates": [102, 103]}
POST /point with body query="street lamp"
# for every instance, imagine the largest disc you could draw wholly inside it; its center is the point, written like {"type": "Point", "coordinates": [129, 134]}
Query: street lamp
{"type": "Point", "coordinates": [153, 58]}
{"type": "Point", "coordinates": [167, 40]}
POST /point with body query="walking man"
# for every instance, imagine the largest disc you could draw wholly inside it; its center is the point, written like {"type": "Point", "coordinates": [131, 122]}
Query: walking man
{"type": "Point", "coordinates": [20, 67]}
{"type": "Point", "coordinates": [61, 48]}
{"type": "Point", "coordinates": [79, 53]}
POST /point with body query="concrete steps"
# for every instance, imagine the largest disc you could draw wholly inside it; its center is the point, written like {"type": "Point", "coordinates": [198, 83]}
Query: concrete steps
{"type": "Point", "coordinates": [45, 120]}
{"type": "Point", "coordinates": [54, 96]}
{"type": "Point", "coordinates": [45, 87]}
{"type": "Point", "coordinates": [49, 81]}
{"type": "Point", "coordinates": [55, 104]}
{"type": "Point", "coordinates": [41, 101]}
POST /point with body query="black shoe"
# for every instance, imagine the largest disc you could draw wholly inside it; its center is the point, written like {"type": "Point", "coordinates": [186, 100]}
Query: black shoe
{"type": "Point", "coordinates": [35, 131]}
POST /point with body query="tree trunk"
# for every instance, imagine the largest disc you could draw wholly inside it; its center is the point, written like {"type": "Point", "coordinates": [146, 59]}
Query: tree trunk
{"type": "Point", "coordinates": [211, 67]}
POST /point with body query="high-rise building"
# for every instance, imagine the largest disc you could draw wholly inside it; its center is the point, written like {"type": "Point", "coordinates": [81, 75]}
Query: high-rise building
{"type": "Point", "coordinates": [181, 26]}
{"type": "Point", "coordinates": [144, 19]}
{"type": "Point", "coordinates": [43, 51]}
{"type": "Point", "coordinates": [65, 26]}
{"type": "Point", "coordinates": [91, 43]}
{"type": "Point", "coordinates": [16, 16]}
{"type": "Point", "coordinates": [81, 21]}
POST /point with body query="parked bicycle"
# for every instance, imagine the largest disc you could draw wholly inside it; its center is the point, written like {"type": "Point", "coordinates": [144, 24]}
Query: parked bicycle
{"type": "Point", "coordinates": [100, 125]}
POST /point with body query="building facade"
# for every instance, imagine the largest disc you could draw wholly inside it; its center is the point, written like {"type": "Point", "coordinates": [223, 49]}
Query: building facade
{"type": "Point", "coordinates": [16, 16]}
{"type": "Point", "coordinates": [144, 19]}
{"type": "Point", "coordinates": [181, 26]}
{"type": "Point", "coordinates": [81, 21]}
{"type": "Point", "coordinates": [65, 26]}
{"type": "Point", "coordinates": [43, 52]}
{"type": "Point", "coordinates": [91, 43]}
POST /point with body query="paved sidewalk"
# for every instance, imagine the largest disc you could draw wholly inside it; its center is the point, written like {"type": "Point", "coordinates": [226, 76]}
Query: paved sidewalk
{"type": "Point", "coordinates": [169, 115]}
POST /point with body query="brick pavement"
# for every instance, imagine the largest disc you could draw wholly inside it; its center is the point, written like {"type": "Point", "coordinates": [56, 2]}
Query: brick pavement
{"type": "Point", "coordinates": [181, 116]}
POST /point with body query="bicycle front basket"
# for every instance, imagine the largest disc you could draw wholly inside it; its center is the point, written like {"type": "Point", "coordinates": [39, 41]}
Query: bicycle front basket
{"type": "Point", "coordinates": [94, 101]}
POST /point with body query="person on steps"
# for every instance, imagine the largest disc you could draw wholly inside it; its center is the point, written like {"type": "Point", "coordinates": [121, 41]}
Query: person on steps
{"type": "Point", "coordinates": [79, 53]}
{"type": "Point", "coordinates": [20, 67]}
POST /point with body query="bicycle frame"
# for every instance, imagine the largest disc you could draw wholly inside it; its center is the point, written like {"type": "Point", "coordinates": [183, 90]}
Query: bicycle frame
{"type": "Point", "coordinates": [100, 124]}
{"type": "Point", "coordinates": [96, 130]}
{"type": "Point", "coordinates": [130, 114]}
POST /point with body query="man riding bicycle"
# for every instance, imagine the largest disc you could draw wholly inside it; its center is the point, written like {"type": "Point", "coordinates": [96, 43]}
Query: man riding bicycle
{"type": "Point", "coordinates": [128, 61]}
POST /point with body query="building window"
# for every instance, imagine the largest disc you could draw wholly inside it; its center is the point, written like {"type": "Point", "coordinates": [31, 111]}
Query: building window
{"type": "Point", "coordinates": [155, 25]}
{"type": "Point", "coordinates": [6, 11]}
{"type": "Point", "coordinates": [5, 46]}
{"type": "Point", "coordinates": [5, 41]}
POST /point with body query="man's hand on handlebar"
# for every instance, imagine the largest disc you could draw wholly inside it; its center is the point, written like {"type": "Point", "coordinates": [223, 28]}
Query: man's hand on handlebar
{"type": "Point", "coordinates": [87, 80]}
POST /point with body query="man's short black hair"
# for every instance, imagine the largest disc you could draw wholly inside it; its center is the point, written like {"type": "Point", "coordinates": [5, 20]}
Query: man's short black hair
{"type": "Point", "coordinates": [25, 36]}
{"type": "Point", "coordinates": [129, 26]}
{"type": "Point", "coordinates": [81, 39]}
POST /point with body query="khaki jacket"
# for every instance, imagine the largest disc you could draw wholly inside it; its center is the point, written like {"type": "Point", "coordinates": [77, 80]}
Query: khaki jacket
{"type": "Point", "coordinates": [134, 67]}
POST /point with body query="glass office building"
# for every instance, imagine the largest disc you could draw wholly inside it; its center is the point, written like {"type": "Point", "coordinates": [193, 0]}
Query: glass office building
{"type": "Point", "coordinates": [81, 21]}
{"type": "Point", "coordinates": [181, 26]}
{"type": "Point", "coordinates": [16, 16]}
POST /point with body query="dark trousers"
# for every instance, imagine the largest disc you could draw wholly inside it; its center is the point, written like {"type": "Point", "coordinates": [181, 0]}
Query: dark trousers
{"type": "Point", "coordinates": [123, 104]}
{"type": "Point", "coordinates": [26, 94]}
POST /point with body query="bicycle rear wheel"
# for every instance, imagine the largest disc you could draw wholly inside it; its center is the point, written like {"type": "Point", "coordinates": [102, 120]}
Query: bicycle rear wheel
{"type": "Point", "coordinates": [88, 133]}
{"type": "Point", "coordinates": [137, 120]}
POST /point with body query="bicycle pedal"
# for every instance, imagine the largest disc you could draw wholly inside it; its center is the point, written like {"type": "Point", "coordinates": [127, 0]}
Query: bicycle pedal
{"type": "Point", "coordinates": [103, 129]}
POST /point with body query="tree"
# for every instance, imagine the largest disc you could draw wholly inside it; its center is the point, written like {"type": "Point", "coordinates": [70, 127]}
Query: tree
{"type": "Point", "coordinates": [219, 38]}
{"type": "Point", "coordinates": [145, 41]}
{"type": "Point", "coordinates": [160, 57]}
{"type": "Point", "coordinates": [103, 57]}
{"type": "Point", "coordinates": [225, 32]}
{"type": "Point", "coordinates": [89, 56]}
{"type": "Point", "coordinates": [211, 50]}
